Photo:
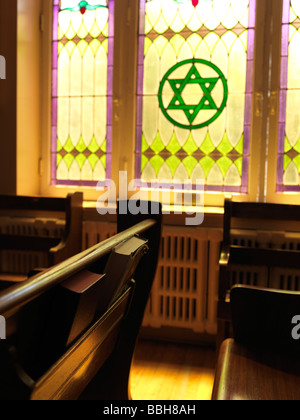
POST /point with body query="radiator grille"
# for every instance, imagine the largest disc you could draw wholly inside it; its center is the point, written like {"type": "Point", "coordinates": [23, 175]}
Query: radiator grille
{"type": "Point", "coordinates": [278, 278]}
{"type": "Point", "coordinates": [21, 262]}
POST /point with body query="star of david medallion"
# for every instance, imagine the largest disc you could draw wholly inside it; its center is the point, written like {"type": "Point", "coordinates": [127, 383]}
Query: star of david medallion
{"type": "Point", "coordinates": [193, 94]}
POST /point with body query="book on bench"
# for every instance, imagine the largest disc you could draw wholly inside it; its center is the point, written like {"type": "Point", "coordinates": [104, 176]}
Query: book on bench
{"type": "Point", "coordinates": [75, 304]}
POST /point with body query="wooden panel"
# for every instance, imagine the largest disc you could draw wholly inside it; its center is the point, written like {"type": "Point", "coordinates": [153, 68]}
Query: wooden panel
{"type": "Point", "coordinates": [71, 374]}
{"type": "Point", "coordinates": [242, 374]}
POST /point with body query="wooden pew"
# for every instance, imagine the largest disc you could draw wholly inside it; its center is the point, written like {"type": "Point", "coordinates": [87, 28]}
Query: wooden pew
{"type": "Point", "coordinates": [97, 364]}
{"type": "Point", "coordinates": [250, 215]}
{"type": "Point", "coordinates": [55, 248]}
{"type": "Point", "coordinates": [261, 361]}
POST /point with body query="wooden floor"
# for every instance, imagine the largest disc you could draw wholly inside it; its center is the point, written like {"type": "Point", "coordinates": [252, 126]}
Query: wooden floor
{"type": "Point", "coordinates": [163, 371]}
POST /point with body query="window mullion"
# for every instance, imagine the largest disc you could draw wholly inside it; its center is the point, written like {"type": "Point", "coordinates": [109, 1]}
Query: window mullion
{"type": "Point", "coordinates": [124, 92]}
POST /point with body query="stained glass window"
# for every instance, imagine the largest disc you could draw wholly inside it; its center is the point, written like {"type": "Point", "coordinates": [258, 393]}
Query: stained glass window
{"type": "Point", "coordinates": [82, 91]}
{"type": "Point", "coordinates": [195, 85]}
{"type": "Point", "coordinates": [288, 165]}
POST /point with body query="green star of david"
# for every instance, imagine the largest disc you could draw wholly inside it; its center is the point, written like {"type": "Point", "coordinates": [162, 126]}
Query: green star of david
{"type": "Point", "coordinates": [207, 85]}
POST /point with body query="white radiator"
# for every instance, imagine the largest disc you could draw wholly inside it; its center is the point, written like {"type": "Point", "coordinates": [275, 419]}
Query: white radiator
{"type": "Point", "coordinates": [185, 288]}
{"type": "Point", "coordinates": [279, 278]}
{"type": "Point", "coordinates": [21, 262]}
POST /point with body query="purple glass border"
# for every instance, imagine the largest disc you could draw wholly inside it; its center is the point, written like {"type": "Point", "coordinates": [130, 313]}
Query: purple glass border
{"type": "Point", "coordinates": [54, 181]}
{"type": "Point", "coordinates": [280, 187]}
{"type": "Point", "coordinates": [243, 189]}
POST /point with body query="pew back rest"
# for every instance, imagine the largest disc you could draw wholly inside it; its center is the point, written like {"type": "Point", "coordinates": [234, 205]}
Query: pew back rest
{"type": "Point", "coordinates": [262, 258]}
{"type": "Point", "coordinates": [250, 214]}
{"type": "Point", "coordinates": [56, 247]}
{"type": "Point", "coordinates": [102, 354]}
{"type": "Point", "coordinates": [263, 319]}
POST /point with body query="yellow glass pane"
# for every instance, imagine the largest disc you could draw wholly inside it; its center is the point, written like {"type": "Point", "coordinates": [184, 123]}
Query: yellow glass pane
{"type": "Point", "coordinates": [168, 60]}
{"type": "Point", "coordinates": [194, 42]}
{"type": "Point", "coordinates": [229, 39]}
{"type": "Point", "coordinates": [150, 112]}
{"type": "Point", "coordinates": [102, 20]}
{"type": "Point", "coordinates": [75, 120]}
{"type": "Point", "coordinates": [233, 177]}
{"type": "Point", "coordinates": [185, 52]}
{"type": "Point", "coordinates": [161, 25]}
{"type": "Point", "coordinates": [169, 10]}
{"type": "Point", "coordinates": [292, 116]}
{"type": "Point", "coordinates": [63, 120]}
{"type": "Point", "coordinates": [195, 22]}
{"type": "Point", "coordinates": [74, 171]}
{"type": "Point", "coordinates": [88, 73]}
{"type": "Point", "coordinates": [217, 128]}
{"type": "Point", "coordinates": [62, 171]}
{"type": "Point", "coordinates": [295, 9]}
{"type": "Point", "coordinates": [235, 121]}
{"type": "Point", "coordinates": [177, 25]}
{"type": "Point", "coordinates": [100, 70]}
{"type": "Point", "coordinates": [237, 67]}
{"type": "Point", "coordinates": [160, 43]}
{"type": "Point", "coordinates": [240, 11]}
{"type": "Point", "coordinates": [75, 73]}
{"type": "Point", "coordinates": [87, 119]}
{"type": "Point", "coordinates": [294, 62]}
{"type": "Point", "coordinates": [153, 12]}
{"type": "Point", "coordinates": [151, 71]}
{"type": "Point", "coordinates": [63, 73]}
{"type": "Point", "coordinates": [100, 121]}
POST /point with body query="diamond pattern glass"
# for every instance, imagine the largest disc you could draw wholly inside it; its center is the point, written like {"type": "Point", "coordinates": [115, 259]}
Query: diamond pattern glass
{"type": "Point", "coordinates": [195, 85]}
{"type": "Point", "coordinates": [288, 164]}
{"type": "Point", "coordinates": [82, 91]}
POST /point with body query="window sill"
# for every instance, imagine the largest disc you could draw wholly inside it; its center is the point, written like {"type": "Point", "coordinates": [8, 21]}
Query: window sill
{"type": "Point", "coordinates": [172, 215]}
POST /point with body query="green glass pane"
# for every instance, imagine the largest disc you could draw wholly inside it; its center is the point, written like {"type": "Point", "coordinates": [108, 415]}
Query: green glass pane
{"type": "Point", "coordinates": [59, 146]}
{"type": "Point", "coordinates": [240, 146]}
{"type": "Point", "coordinates": [296, 160]}
{"type": "Point", "coordinates": [103, 160]}
{"type": "Point", "coordinates": [297, 146]}
{"type": "Point", "coordinates": [80, 160]}
{"type": "Point", "coordinates": [224, 164]}
{"type": "Point", "coordinates": [144, 162]}
{"type": "Point", "coordinates": [239, 164]}
{"type": "Point", "coordinates": [287, 146]}
{"type": "Point", "coordinates": [287, 161]}
{"type": "Point", "coordinates": [81, 147]}
{"type": "Point", "coordinates": [145, 145]}
{"type": "Point", "coordinates": [190, 163]}
{"type": "Point", "coordinates": [69, 146]}
{"type": "Point", "coordinates": [207, 163]}
{"type": "Point", "coordinates": [157, 162]}
{"type": "Point", "coordinates": [207, 146]}
{"type": "Point", "coordinates": [173, 163]}
{"type": "Point", "coordinates": [157, 146]}
{"type": "Point", "coordinates": [190, 147]}
{"type": "Point", "coordinates": [93, 159]}
{"type": "Point", "coordinates": [93, 147]}
{"type": "Point", "coordinates": [58, 159]}
{"type": "Point", "coordinates": [173, 147]}
{"type": "Point", "coordinates": [69, 160]}
{"type": "Point", "coordinates": [104, 146]}
{"type": "Point", "coordinates": [225, 146]}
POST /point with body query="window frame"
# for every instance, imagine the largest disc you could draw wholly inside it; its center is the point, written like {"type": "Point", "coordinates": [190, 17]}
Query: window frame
{"type": "Point", "coordinates": [265, 104]}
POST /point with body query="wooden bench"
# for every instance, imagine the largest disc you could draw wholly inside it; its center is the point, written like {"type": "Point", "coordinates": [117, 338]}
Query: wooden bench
{"type": "Point", "coordinates": [261, 361]}
{"type": "Point", "coordinates": [50, 248]}
{"type": "Point", "coordinates": [248, 216]}
{"type": "Point", "coordinates": [96, 365]}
